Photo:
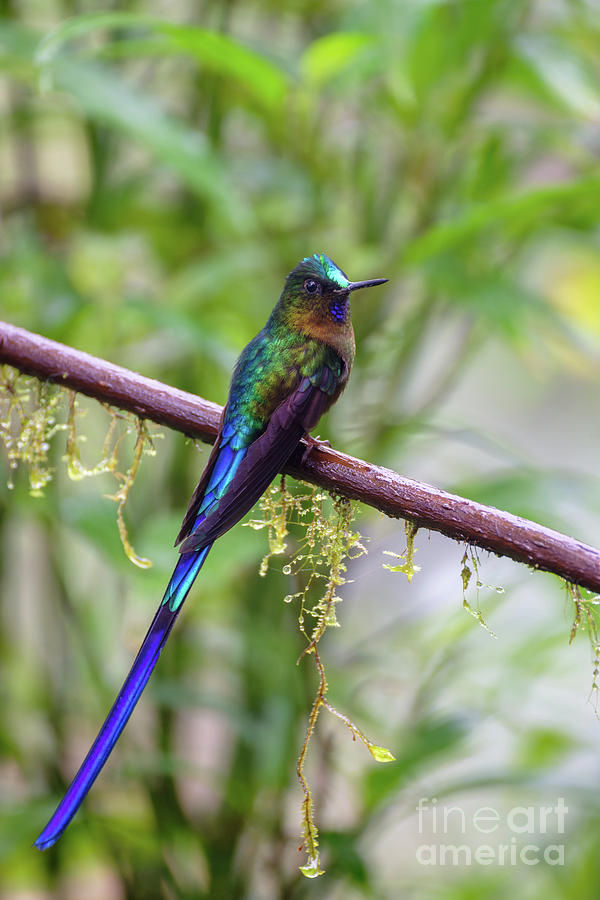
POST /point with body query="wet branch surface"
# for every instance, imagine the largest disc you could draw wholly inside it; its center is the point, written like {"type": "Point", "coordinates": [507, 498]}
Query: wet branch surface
{"type": "Point", "coordinates": [458, 518]}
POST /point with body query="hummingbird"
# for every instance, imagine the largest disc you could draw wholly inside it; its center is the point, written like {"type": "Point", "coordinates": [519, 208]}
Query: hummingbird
{"type": "Point", "coordinates": [285, 379]}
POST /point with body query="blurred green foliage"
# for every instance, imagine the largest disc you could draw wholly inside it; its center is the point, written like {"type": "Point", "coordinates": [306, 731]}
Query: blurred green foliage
{"type": "Point", "coordinates": [162, 167]}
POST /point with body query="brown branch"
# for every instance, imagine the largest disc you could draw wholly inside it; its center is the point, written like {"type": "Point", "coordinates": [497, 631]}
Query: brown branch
{"type": "Point", "coordinates": [456, 517]}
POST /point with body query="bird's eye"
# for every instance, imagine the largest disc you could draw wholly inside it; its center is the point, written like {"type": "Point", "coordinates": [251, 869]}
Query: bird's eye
{"type": "Point", "coordinates": [311, 286]}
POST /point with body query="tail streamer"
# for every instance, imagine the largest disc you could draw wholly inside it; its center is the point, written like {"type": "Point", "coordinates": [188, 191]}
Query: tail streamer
{"type": "Point", "coordinates": [181, 581]}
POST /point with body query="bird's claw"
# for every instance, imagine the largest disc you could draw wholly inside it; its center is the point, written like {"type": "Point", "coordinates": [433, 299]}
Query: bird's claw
{"type": "Point", "coordinates": [311, 444]}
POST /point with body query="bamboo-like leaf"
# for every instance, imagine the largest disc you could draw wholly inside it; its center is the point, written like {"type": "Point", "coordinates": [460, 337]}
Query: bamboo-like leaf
{"type": "Point", "coordinates": [107, 98]}
{"type": "Point", "coordinates": [563, 73]}
{"type": "Point", "coordinates": [260, 77]}
{"type": "Point", "coordinates": [330, 55]}
{"type": "Point", "coordinates": [519, 207]}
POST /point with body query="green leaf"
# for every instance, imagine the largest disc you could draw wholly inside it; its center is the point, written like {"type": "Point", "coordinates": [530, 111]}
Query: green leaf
{"type": "Point", "coordinates": [527, 205]}
{"type": "Point", "coordinates": [16, 52]}
{"type": "Point", "coordinates": [563, 73]}
{"type": "Point", "coordinates": [109, 99]}
{"type": "Point", "coordinates": [258, 76]}
{"type": "Point", "coordinates": [51, 46]}
{"type": "Point", "coordinates": [328, 56]}
{"type": "Point", "coordinates": [381, 754]}
{"type": "Point", "coordinates": [542, 748]}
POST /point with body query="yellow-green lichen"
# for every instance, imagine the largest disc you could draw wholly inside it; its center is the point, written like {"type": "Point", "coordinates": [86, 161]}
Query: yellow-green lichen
{"type": "Point", "coordinates": [587, 618]}
{"type": "Point", "coordinates": [407, 567]}
{"type": "Point", "coordinates": [470, 563]}
{"type": "Point", "coordinates": [143, 444]}
{"type": "Point", "coordinates": [319, 559]}
{"type": "Point", "coordinates": [29, 413]}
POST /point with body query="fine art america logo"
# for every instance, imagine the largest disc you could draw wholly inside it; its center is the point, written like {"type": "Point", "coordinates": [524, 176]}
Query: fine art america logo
{"type": "Point", "coordinates": [506, 838]}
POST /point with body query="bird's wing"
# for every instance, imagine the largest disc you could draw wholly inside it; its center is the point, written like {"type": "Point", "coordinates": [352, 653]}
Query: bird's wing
{"type": "Point", "coordinates": [198, 495]}
{"type": "Point", "coordinates": [261, 461]}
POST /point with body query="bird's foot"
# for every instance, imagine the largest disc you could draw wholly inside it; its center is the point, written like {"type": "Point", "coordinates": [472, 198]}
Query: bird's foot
{"type": "Point", "coordinates": [311, 444]}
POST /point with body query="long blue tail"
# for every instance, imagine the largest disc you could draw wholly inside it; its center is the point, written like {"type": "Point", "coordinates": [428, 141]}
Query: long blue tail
{"type": "Point", "coordinates": [187, 568]}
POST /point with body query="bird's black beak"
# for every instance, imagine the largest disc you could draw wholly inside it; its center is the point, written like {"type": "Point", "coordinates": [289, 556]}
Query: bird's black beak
{"type": "Point", "coordinates": [356, 285]}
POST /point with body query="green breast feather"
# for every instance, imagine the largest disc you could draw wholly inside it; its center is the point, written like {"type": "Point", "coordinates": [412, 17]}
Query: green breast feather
{"type": "Point", "coordinates": [268, 371]}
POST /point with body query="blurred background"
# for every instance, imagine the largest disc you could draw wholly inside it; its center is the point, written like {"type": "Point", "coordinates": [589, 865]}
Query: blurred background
{"type": "Point", "coordinates": [162, 167]}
